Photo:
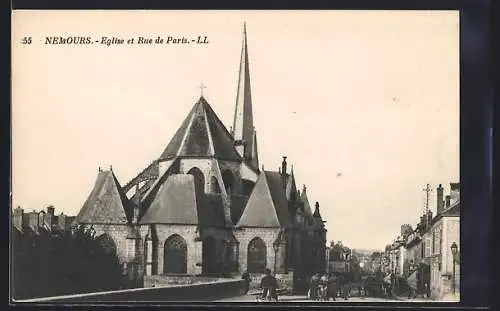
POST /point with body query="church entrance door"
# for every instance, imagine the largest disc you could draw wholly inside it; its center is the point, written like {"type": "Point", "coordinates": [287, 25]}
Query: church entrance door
{"type": "Point", "coordinates": [175, 257]}
{"type": "Point", "coordinates": [209, 251]}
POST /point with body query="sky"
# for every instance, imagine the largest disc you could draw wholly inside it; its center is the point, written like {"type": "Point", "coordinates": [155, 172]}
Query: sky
{"type": "Point", "coordinates": [365, 104]}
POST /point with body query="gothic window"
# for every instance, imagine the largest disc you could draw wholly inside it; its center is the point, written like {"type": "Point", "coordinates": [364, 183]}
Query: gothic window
{"type": "Point", "coordinates": [175, 256]}
{"type": "Point", "coordinates": [214, 185]}
{"type": "Point", "coordinates": [199, 179]}
{"type": "Point", "coordinates": [256, 262]}
{"type": "Point", "coordinates": [228, 179]}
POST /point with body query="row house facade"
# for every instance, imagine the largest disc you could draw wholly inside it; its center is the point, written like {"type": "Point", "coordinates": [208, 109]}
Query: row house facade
{"type": "Point", "coordinates": [425, 256]}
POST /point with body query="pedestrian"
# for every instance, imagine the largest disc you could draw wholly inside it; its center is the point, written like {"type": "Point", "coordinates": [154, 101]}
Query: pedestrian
{"type": "Point", "coordinates": [269, 285]}
{"type": "Point", "coordinates": [313, 286]}
{"type": "Point", "coordinates": [332, 287]}
{"type": "Point", "coordinates": [246, 276]}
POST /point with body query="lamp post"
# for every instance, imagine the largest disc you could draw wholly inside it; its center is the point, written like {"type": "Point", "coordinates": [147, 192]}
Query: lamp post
{"type": "Point", "coordinates": [454, 250]}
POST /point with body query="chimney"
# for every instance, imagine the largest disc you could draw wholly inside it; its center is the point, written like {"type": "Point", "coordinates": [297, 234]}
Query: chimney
{"type": "Point", "coordinates": [440, 203]}
{"type": "Point", "coordinates": [283, 166]}
{"type": "Point", "coordinates": [448, 199]}
{"type": "Point", "coordinates": [17, 220]}
{"type": "Point", "coordinates": [33, 221]}
{"type": "Point", "coordinates": [61, 222]}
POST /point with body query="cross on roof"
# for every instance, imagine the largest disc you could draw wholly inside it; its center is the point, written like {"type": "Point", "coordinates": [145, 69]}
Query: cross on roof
{"type": "Point", "coordinates": [202, 86]}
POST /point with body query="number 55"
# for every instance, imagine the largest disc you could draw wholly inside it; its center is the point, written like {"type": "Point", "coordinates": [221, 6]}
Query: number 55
{"type": "Point", "coordinates": [26, 40]}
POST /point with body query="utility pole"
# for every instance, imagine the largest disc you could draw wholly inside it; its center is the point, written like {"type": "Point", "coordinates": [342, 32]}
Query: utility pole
{"type": "Point", "coordinates": [427, 191]}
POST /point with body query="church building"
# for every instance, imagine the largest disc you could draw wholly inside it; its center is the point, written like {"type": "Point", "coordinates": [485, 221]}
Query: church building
{"type": "Point", "coordinates": [206, 207]}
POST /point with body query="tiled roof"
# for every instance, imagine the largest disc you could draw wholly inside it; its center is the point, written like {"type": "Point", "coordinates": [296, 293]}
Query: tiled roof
{"type": "Point", "coordinates": [267, 206]}
{"type": "Point", "coordinates": [106, 203]}
{"type": "Point", "coordinates": [202, 134]}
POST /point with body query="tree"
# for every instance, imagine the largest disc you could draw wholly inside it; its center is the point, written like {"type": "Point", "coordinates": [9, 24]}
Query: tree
{"type": "Point", "coordinates": [51, 263]}
{"type": "Point", "coordinates": [375, 256]}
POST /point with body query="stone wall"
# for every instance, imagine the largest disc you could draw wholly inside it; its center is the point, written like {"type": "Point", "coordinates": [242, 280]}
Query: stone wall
{"type": "Point", "coordinates": [285, 280]}
{"type": "Point", "coordinates": [118, 233]}
{"type": "Point", "coordinates": [167, 280]}
{"type": "Point", "coordinates": [195, 292]}
{"type": "Point", "coordinates": [191, 237]}
{"type": "Point", "coordinates": [245, 235]}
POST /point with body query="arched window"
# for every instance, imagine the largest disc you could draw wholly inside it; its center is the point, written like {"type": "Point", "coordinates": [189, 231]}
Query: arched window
{"type": "Point", "coordinates": [199, 179]}
{"type": "Point", "coordinates": [209, 254]}
{"type": "Point", "coordinates": [257, 256]}
{"type": "Point", "coordinates": [214, 185]}
{"type": "Point", "coordinates": [228, 179]}
{"type": "Point", "coordinates": [175, 256]}
{"type": "Point", "coordinates": [107, 243]}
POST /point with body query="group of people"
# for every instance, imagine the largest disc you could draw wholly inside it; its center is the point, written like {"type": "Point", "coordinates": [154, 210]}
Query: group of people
{"type": "Point", "coordinates": [324, 286]}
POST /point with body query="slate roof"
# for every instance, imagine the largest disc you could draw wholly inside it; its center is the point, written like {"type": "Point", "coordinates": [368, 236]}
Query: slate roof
{"type": "Point", "coordinates": [305, 201]}
{"type": "Point", "coordinates": [151, 188]}
{"type": "Point", "coordinates": [202, 134]}
{"type": "Point", "coordinates": [291, 188]}
{"type": "Point", "coordinates": [238, 203]}
{"type": "Point", "coordinates": [174, 203]}
{"type": "Point", "coordinates": [267, 206]}
{"type": "Point", "coordinates": [453, 210]}
{"type": "Point", "coordinates": [106, 203]}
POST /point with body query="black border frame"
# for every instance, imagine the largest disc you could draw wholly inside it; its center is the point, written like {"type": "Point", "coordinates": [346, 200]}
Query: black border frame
{"type": "Point", "coordinates": [476, 124]}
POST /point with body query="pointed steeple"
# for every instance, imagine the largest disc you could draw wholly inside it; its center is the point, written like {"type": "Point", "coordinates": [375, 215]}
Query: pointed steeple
{"type": "Point", "coordinates": [243, 129]}
{"type": "Point", "coordinates": [316, 211]}
{"type": "Point", "coordinates": [255, 153]}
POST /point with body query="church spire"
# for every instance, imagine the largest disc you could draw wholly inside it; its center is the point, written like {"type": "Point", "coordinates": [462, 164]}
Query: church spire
{"type": "Point", "coordinates": [243, 129]}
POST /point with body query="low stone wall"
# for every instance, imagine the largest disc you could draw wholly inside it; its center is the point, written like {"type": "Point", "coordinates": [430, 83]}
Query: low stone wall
{"type": "Point", "coordinates": [167, 280]}
{"type": "Point", "coordinates": [285, 280]}
{"type": "Point", "coordinates": [195, 292]}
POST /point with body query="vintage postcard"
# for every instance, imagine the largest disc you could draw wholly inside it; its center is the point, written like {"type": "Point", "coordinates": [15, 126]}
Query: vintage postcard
{"type": "Point", "coordinates": [235, 156]}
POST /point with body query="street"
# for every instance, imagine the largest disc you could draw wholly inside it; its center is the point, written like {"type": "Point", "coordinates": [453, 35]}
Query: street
{"type": "Point", "coordinates": [303, 298]}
